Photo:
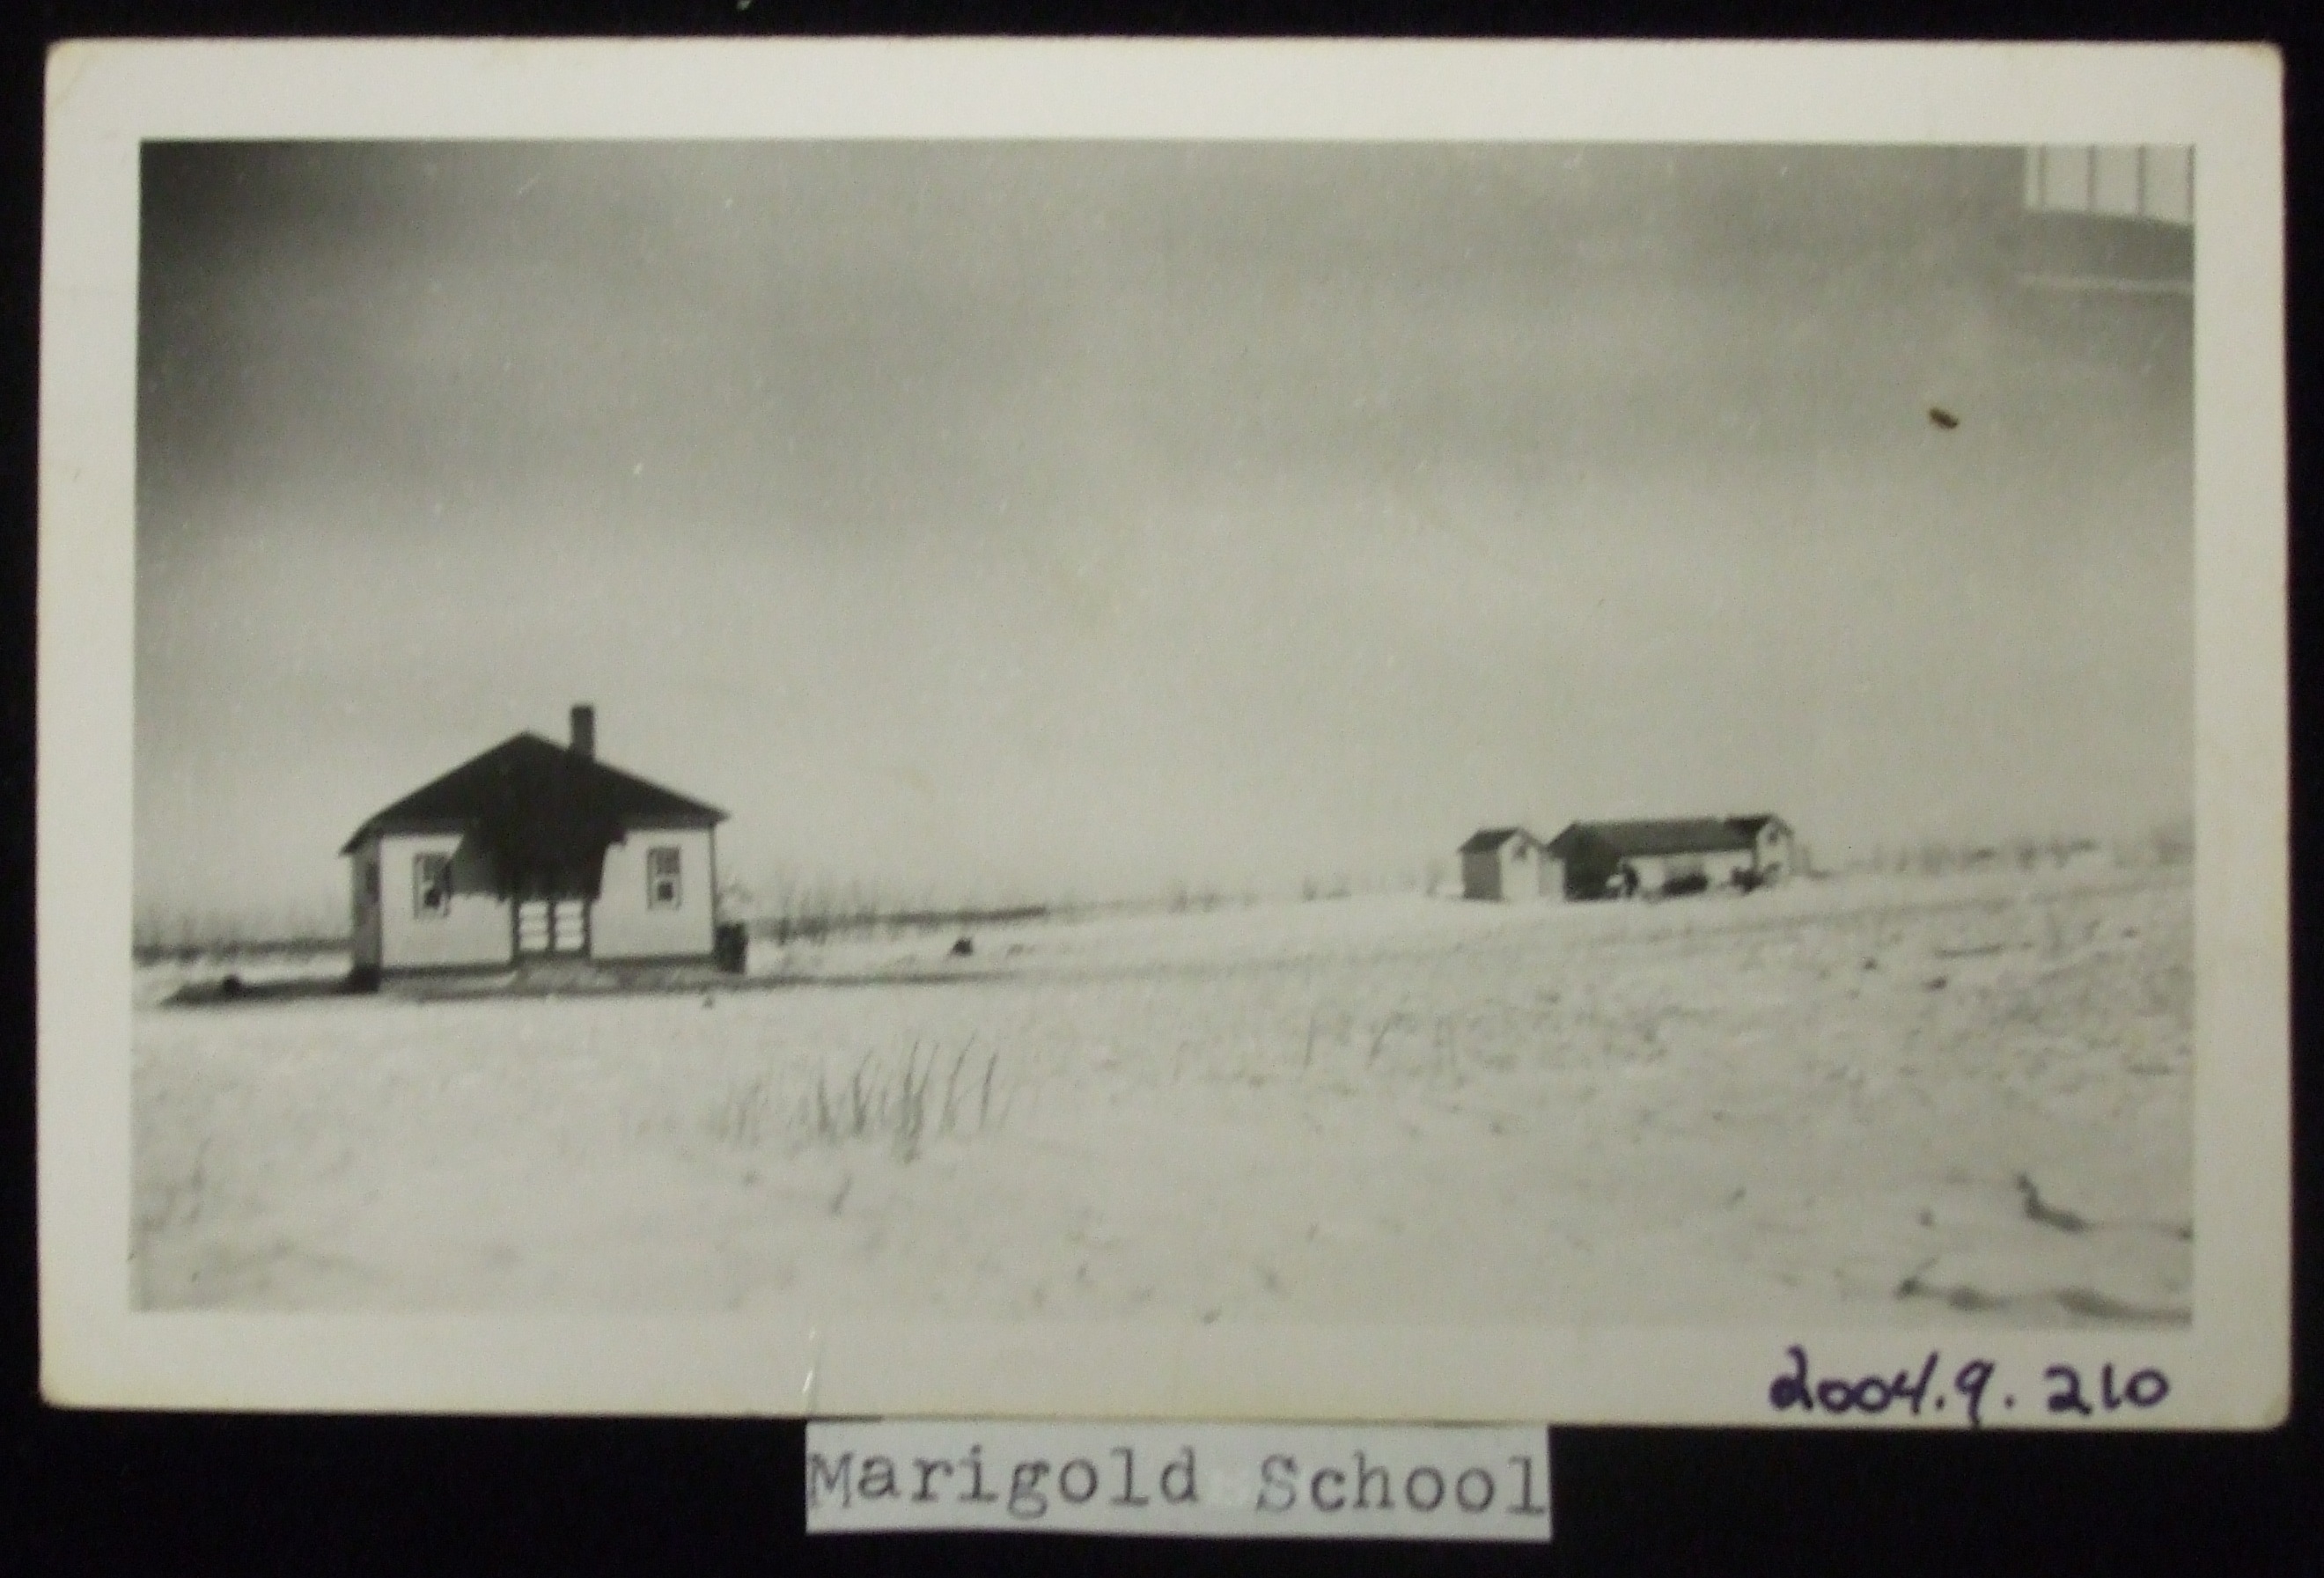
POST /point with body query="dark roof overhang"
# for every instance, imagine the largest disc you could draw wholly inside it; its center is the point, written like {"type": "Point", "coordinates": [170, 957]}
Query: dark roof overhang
{"type": "Point", "coordinates": [543, 812]}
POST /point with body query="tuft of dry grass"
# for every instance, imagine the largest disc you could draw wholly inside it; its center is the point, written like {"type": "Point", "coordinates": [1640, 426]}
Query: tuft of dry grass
{"type": "Point", "coordinates": [738, 1117]}
{"type": "Point", "coordinates": [908, 1103]}
{"type": "Point", "coordinates": [904, 1105]}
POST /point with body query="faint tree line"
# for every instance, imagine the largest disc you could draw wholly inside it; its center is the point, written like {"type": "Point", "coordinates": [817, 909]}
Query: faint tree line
{"type": "Point", "coordinates": [788, 909]}
{"type": "Point", "coordinates": [160, 933]}
{"type": "Point", "coordinates": [2167, 845]}
{"type": "Point", "coordinates": [785, 908]}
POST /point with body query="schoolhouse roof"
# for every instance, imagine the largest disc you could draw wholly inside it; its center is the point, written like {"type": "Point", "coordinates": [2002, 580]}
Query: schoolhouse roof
{"type": "Point", "coordinates": [1485, 840]}
{"type": "Point", "coordinates": [530, 796]}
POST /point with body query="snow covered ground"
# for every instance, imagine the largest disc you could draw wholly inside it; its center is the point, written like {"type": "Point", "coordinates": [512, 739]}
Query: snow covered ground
{"type": "Point", "coordinates": [1871, 1100]}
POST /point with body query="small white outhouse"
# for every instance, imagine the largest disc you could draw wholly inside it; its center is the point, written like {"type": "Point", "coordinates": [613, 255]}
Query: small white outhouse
{"type": "Point", "coordinates": [1507, 864]}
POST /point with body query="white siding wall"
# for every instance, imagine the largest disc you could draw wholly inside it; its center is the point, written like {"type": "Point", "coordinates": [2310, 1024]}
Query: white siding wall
{"type": "Point", "coordinates": [621, 925]}
{"type": "Point", "coordinates": [1520, 873]}
{"type": "Point", "coordinates": [361, 866]}
{"type": "Point", "coordinates": [475, 932]}
{"type": "Point", "coordinates": [1481, 875]}
{"type": "Point", "coordinates": [1774, 849]}
{"type": "Point", "coordinates": [1718, 867]}
{"type": "Point", "coordinates": [1514, 873]}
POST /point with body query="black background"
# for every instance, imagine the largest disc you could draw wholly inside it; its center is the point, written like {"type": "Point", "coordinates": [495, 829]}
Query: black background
{"type": "Point", "coordinates": [194, 1493]}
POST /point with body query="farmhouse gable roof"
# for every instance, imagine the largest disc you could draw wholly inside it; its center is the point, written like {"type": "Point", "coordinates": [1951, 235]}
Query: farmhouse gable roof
{"type": "Point", "coordinates": [1697, 835]}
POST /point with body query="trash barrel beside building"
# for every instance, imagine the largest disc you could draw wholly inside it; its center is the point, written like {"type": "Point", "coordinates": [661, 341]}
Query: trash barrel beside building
{"type": "Point", "coordinates": [733, 945]}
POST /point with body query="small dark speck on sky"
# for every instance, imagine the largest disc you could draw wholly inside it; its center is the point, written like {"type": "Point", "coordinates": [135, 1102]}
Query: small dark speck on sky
{"type": "Point", "coordinates": [1943, 418]}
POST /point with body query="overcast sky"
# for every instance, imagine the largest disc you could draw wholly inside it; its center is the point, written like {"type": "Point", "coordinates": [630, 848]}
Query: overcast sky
{"type": "Point", "coordinates": [1011, 521]}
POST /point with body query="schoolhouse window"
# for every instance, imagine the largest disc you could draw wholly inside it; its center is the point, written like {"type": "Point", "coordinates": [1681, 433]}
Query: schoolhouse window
{"type": "Point", "coordinates": [661, 880]}
{"type": "Point", "coordinates": [431, 886]}
{"type": "Point", "coordinates": [370, 882]}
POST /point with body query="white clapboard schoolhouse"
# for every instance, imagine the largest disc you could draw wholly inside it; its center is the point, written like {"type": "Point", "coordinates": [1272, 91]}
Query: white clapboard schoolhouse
{"type": "Point", "coordinates": [534, 850]}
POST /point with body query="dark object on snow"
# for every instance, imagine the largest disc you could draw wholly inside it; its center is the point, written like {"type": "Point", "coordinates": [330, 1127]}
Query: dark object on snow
{"type": "Point", "coordinates": [2038, 1210]}
{"type": "Point", "coordinates": [1943, 418]}
{"type": "Point", "coordinates": [963, 947]}
{"type": "Point", "coordinates": [731, 944]}
{"type": "Point", "coordinates": [1936, 983]}
{"type": "Point", "coordinates": [236, 992]}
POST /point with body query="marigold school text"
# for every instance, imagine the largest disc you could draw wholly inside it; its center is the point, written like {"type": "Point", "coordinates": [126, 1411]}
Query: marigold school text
{"type": "Point", "coordinates": [1027, 1488]}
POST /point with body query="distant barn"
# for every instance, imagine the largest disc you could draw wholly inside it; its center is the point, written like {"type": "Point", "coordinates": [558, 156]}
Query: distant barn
{"type": "Point", "coordinates": [1506, 864]}
{"type": "Point", "coordinates": [534, 850]}
{"type": "Point", "coordinates": [1676, 856]}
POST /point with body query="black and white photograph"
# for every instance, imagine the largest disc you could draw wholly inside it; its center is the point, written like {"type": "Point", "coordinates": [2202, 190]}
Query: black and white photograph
{"type": "Point", "coordinates": [1177, 732]}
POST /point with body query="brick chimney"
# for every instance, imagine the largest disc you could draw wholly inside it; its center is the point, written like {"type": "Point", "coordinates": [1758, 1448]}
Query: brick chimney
{"type": "Point", "coordinates": [584, 731]}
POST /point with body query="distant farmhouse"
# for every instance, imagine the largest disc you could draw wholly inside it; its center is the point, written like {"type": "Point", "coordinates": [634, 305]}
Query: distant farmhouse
{"type": "Point", "coordinates": [534, 850]}
{"type": "Point", "coordinates": [1508, 864]}
{"type": "Point", "coordinates": [1683, 854]}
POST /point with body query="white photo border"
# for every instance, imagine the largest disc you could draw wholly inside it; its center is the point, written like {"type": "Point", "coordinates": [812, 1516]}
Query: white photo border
{"type": "Point", "coordinates": [2230, 1368]}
